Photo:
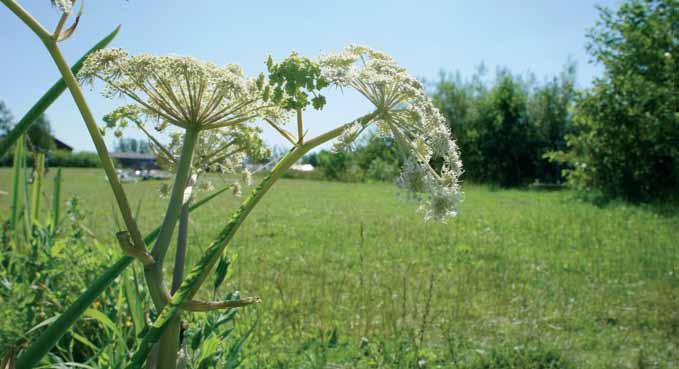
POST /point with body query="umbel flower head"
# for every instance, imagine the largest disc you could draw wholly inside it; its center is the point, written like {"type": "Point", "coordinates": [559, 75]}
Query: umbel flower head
{"type": "Point", "coordinates": [181, 91]}
{"type": "Point", "coordinates": [220, 150]}
{"type": "Point", "coordinates": [407, 114]}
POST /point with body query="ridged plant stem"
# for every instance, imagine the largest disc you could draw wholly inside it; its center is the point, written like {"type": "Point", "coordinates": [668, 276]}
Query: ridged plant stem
{"type": "Point", "coordinates": [169, 342]}
{"type": "Point", "coordinates": [154, 273]}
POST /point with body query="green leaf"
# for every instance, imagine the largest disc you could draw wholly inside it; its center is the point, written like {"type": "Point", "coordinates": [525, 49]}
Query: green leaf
{"type": "Point", "coordinates": [19, 158]}
{"type": "Point", "coordinates": [134, 303]}
{"type": "Point", "coordinates": [42, 324]}
{"type": "Point", "coordinates": [220, 271]}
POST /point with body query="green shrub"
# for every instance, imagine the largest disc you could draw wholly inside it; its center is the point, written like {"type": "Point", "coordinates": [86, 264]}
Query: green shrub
{"type": "Point", "coordinates": [375, 158]}
{"type": "Point", "coordinates": [381, 170]}
{"type": "Point", "coordinates": [46, 272]}
{"type": "Point", "coordinates": [81, 159]}
{"type": "Point", "coordinates": [505, 128]}
{"type": "Point", "coordinates": [627, 126]}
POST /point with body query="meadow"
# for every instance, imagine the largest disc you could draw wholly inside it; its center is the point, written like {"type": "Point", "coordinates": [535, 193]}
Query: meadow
{"type": "Point", "coordinates": [350, 276]}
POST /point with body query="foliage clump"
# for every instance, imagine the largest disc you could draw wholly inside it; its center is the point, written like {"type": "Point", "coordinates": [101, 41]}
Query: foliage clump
{"type": "Point", "coordinates": [626, 136]}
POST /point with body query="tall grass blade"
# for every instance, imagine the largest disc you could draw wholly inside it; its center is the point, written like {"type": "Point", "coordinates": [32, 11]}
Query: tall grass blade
{"type": "Point", "coordinates": [16, 181]}
{"type": "Point", "coordinates": [48, 98]}
{"type": "Point", "coordinates": [46, 341]}
{"type": "Point", "coordinates": [56, 202]}
{"type": "Point", "coordinates": [38, 177]}
{"type": "Point", "coordinates": [134, 302]}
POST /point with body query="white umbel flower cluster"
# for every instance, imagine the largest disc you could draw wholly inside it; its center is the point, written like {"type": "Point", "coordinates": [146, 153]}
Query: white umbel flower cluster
{"type": "Point", "coordinates": [180, 90]}
{"type": "Point", "coordinates": [219, 151]}
{"type": "Point", "coordinates": [407, 114]}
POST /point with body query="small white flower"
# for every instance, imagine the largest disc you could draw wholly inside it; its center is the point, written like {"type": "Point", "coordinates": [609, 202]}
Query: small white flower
{"type": "Point", "coordinates": [413, 178]}
{"type": "Point", "coordinates": [247, 177]}
{"type": "Point", "coordinates": [668, 55]}
{"type": "Point", "coordinates": [349, 135]}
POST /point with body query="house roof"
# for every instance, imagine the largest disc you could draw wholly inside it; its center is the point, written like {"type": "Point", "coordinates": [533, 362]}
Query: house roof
{"type": "Point", "coordinates": [61, 145]}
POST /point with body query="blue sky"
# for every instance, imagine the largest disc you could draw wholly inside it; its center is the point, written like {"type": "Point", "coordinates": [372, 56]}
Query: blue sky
{"type": "Point", "coordinates": [426, 36]}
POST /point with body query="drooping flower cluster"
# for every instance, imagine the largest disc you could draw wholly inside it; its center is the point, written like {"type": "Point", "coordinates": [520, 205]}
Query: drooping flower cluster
{"type": "Point", "coordinates": [407, 114]}
{"type": "Point", "coordinates": [179, 90]}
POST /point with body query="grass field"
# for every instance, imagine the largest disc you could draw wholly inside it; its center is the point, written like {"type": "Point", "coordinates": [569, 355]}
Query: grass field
{"type": "Point", "coordinates": [351, 276]}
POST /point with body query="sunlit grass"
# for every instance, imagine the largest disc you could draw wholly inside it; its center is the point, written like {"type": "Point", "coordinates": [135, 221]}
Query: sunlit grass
{"type": "Point", "coordinates": [516, 269]}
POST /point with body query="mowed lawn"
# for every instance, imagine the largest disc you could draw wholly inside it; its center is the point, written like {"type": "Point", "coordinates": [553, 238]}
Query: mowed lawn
{"type": "Point", "coordinates": [350, 274]}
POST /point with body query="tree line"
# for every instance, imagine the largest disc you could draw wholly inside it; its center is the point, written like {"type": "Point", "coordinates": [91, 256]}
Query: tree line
{"type": "Point", "coordinates": [618, 138]}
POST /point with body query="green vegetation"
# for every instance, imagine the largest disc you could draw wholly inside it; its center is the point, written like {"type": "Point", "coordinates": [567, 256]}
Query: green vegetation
{"type": "Point", "coordinates": [374, 158]}
{"type": "Point", "coordinates": [506, 126]}
{"type": "Point", "coordinates": [348, 276]}
{"type": "Point", "coordinates": [523, 277]}
{"type": "Point", "coordinates": [626, 138]}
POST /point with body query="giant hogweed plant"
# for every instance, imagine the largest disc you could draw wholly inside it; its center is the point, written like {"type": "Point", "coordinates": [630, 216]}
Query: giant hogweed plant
{"type": "Point", "coordinates": [208, 110]}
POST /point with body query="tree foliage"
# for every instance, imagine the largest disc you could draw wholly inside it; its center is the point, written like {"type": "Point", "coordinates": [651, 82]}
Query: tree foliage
{"type": "Point", "coordinates": [375, 158]}
{"type": "Point", "coordinates": [40, 134]}
{"type": "Point", "coordinates": [505, 128]}
{"type": "Point", "coordinates": [6, 118]}
{"type": "Point", "coordinates": [626, 139]}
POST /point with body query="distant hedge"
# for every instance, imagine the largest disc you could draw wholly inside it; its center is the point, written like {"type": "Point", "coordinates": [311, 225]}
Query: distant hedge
{"type": "Point", "coordinates": [61, 158]}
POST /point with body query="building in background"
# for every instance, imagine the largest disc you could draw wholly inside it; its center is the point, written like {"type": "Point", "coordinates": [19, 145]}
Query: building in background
{"type": "Point", "coordinates": [135, 160]}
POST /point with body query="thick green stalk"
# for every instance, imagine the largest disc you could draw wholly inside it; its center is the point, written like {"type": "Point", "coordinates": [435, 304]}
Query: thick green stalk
{"type": "Point", "coordinates": [154, 273]}
{"type": "Point", "coordinates": [48, 98]}
{"type": "Point", "coordinates": [169, 342]}
{"type": "Point", "coordinates": [50, 42]}
{"type": "Point", "coordinates": [46, 341]}
{"type": "Point", "coordinates": [16, 181]}
{"type": "Point", "coordinates": [201, 270]}
{"type": "Point", "coordinates": [99, 144]}
{"type": "Point", "coordinates": [180, 257]}
{"type": "Point", "coordinates": [170, 338]}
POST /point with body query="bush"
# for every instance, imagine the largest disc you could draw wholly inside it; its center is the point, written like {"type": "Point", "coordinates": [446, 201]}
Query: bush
{"type": "Point", "coordinates": [375, 158]}
{"type": "Point", "coordinates": [381, 170]}
{"type": "Point", "coordinates": [505, 129]}
{"type": "Point", "coordinates": [627, 126]}
{"type": "Point", "coordinates": [81, 159]}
